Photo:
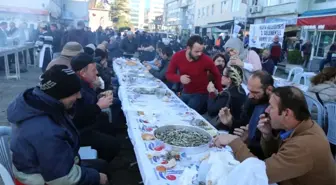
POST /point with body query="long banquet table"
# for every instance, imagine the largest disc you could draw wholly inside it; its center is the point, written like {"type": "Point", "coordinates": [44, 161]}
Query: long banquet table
{"type": "Point", "coordinates": [158, 111]}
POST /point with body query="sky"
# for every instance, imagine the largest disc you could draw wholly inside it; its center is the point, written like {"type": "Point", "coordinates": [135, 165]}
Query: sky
{"type": "Point", "coordinates": [147, 3]}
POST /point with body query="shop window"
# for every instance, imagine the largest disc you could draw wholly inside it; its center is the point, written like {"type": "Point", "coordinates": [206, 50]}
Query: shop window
{"type": "Point", "coordinates": [325, 40]}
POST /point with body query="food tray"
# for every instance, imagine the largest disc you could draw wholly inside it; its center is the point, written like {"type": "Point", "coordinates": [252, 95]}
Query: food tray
{"type": "Point", "coordinates": [188, 150]}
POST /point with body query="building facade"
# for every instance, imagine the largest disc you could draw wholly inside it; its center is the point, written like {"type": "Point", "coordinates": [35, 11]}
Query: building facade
{"type": "Point", "coordinates": [179, 15]}
{"type": "Point", "coordinates": [321, 34]}
{"type": "Point", "coordinates": [31, 12]}
{"type": "Point", "coordinates": [137, 13]}
{"type": "Point", "coordinates": [75, 10]}
{"type": "Point", "coordinates": [154, 9]}
{"type": "Point", "coordinates": [291, 12]}
{"type": "Point", "coordinates": [217, 16]}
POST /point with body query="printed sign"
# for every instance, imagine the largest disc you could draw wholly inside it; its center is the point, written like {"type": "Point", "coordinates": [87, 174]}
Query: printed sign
{"type": "Point", "coordinates": [261, 35]}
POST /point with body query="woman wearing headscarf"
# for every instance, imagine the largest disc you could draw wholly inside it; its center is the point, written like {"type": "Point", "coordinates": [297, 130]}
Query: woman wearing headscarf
{"type": "Point", "coordinates": [251, 64]}
{"type": "Point", "coordinates": [233, 96]}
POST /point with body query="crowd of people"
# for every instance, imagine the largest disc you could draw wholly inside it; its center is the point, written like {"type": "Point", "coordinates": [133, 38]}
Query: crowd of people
{"type": "Point", "coordinates": [67, 109]}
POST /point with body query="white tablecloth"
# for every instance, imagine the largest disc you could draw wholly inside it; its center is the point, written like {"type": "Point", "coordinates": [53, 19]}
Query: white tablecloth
{"type": "Point", "coordinates": [158, 112]}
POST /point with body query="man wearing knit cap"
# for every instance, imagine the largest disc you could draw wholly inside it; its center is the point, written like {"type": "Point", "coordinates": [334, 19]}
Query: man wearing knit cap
{"type": "Point", "coordinates": [90, 49]}
{"type": "Point", "coordinates": [69, 50]}
{"type": "Point", "coordinates": [96, 131]}
{"type": "Point", "coordinates": [44, 141]}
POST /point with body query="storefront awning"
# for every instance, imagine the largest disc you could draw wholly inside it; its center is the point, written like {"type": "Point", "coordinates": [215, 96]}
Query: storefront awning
{"type": "Point", "coordinates": [318, 17]}
{"type": "Point", "coordinates": [221, 25]}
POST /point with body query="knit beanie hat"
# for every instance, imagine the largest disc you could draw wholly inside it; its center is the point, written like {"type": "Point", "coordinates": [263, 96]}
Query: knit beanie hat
{"type": "Point", "coordinates": [100, 53]}
{"type": "Point", "coordinates": [81, 61]}
{"type": "Point", "coordinates": [60, 82]}
{"type": "Point", "coordinates": [90, 49]}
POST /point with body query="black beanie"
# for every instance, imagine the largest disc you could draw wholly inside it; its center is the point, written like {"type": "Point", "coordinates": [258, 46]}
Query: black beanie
{"type": "Point", "coordinates": [89, 51]}
{"type": "Point", "coordinates": [100, 53]}
{"type": "Point", "coordinates": [60, 82]}
{"type": "Point", "coordinates": [81, 61]}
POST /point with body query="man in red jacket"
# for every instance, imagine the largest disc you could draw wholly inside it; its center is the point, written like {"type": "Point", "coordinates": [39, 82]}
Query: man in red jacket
{"type": "Point", "coordinates": [193, 67]}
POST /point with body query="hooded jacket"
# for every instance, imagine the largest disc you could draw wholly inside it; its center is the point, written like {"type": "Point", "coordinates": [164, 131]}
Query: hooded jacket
{"type": "Point", "coordinates": [326, 91]}
{"type": "Point", "coordinates": [45, 142]}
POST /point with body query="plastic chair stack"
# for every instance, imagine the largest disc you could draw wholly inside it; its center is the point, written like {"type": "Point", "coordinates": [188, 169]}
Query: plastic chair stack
{"type": "Point", "coordinates": [312, 103]}
{"type": "Point", "coordinates": [331, 113]}
{"type": "Point", "coordinates": [6, 171]}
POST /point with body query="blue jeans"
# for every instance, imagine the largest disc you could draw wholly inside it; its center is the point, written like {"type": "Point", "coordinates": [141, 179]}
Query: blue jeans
{"type": "Point", "coordinates": [195, 101]}
{"type": "Point", "coordinates": [332, 62]}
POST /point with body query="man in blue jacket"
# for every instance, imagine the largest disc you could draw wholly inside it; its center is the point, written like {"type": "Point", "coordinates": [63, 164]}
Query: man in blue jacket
{"type": "Point", "coordinates": [45, 142]}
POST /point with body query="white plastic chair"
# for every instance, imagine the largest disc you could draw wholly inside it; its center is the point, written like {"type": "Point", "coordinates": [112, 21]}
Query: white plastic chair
{"type": "Point", "coordinates": [319, 108]}
{"type": "Point", "coordinates": [297, 78]}
{"type": "Point", "coordinates": [5, 155]}
{"type": "Point", "coordinates": [294, 71]}
{"type": "Point", "coordinates": [331, 113]}
{"type": "Point", "coordinates": [307, 77]}
{"type": "Point", "coordinates": [5, 176]}
{"type": "Point", "coordinates": [274, 70]}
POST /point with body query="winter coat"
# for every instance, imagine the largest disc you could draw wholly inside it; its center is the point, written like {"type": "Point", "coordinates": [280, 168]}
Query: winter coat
{"type": "Point", "coordinates": [45, 142]}
{"type": "Point", "coordinates": [326, 91]}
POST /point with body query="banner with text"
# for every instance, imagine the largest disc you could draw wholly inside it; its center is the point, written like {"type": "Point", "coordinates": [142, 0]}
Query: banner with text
{"type": "Point", "coordinates": [261, 35]}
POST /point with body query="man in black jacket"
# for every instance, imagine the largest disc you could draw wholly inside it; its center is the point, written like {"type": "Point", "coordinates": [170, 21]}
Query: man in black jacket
{"type": "Point", "coordinates": [260, 85]}
{"type": "Point", "coordinates": [95, 130]}
{"type": "Point", "coordinates": [78, 35]}
{"type": "Point", "coordinates": [129, 45]}
{"type": "Point", "coordinates": [57, 38]}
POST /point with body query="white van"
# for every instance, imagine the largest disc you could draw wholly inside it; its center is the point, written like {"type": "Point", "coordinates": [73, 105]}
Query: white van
{"type": "Point", "coordinates": [166, 37]}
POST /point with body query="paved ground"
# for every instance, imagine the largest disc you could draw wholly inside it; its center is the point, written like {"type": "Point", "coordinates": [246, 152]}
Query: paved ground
{"type": "Point", "coordinates": [10, 88]}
